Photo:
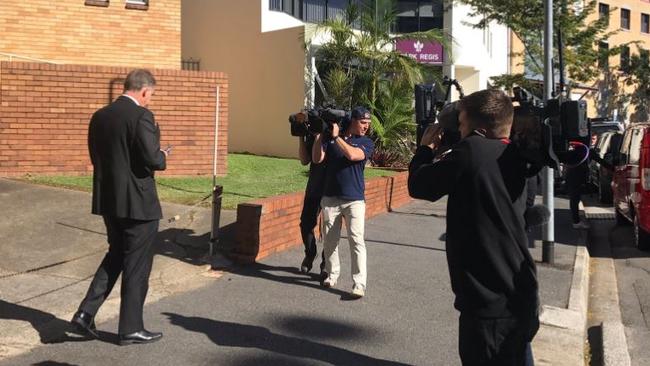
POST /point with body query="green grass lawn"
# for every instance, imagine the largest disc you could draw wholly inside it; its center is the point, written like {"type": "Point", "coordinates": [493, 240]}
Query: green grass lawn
{"type": "Point", "coordinates": [249, 177]}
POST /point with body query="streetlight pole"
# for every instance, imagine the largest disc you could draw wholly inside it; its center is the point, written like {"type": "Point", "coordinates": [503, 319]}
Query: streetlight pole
{"type": "Point", "coordinates": [548, 233]}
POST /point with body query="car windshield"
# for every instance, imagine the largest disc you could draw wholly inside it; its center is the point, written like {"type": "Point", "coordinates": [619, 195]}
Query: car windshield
{"type": "Point", "coordinates": [600, 128]}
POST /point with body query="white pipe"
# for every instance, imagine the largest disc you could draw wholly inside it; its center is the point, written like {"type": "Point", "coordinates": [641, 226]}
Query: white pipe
{"type": "Point", "coordinates": [216, 141]}
{"type": "Point", "coordinates": [11, 56]}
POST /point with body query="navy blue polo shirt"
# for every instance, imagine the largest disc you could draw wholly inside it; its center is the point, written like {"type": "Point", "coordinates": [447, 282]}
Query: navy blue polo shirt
{"type": "Point", "coordinates": [344, 178]}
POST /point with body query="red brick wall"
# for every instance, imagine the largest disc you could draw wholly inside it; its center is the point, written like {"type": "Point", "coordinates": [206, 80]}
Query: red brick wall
{"type": "Point", "coordinates": [270, 225]}
{"type": "Point", "coordinates": [45, 110]}
{"type": "Point", "coordinates": [71, 32]}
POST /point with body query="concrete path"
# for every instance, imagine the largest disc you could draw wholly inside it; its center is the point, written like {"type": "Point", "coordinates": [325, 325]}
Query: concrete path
{"type": "Point", "coordinates": [266, 314]}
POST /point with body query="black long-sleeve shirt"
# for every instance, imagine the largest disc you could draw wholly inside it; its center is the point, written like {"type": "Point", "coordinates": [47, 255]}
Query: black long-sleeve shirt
{"type": "Point", "coordinates": [492, 273]}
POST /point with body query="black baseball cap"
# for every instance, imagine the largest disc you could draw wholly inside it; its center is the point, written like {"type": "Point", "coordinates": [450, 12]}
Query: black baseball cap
{"type": "Point", "coordinates": [360, 113]}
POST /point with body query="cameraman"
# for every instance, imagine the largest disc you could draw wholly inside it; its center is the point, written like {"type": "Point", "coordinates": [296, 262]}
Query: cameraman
{"type": "Point", "coordinates": [492, 273]}
{"type": "Point", "coordinates": [345, 155]}
{"type": "Point", "coordinates": [311, 204]}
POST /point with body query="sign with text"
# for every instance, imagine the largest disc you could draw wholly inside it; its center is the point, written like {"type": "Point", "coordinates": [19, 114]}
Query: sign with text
{"type": "Point", "coordinates": [425, 52]}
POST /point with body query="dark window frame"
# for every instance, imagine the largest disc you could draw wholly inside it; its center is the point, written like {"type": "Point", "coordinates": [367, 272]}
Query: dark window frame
{"type": "Point", "coordinates": [139, 5]}
{"type": "Point", "coordinates": [603, 12]}
{"type": "Point", "coordinates": [315, 11]}
{"type": "Point", "coordinates": [603, 61]}
{"type": "Point", "coordinates": [101, 3]}
{"type": "Point", "coordinates": [625, 59]}
{"type": "Point", "coordinates": [645, 25]}
{"type": "Point", "coordinates": [626, 20]}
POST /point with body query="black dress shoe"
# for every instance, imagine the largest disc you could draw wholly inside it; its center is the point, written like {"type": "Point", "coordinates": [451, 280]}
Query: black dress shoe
{"type": "Point", "coordinates": [306, 265]}
{"type": "Point", "coordinates": [143, 336]}
{"type": "Point", "coordinates": [85, 323]}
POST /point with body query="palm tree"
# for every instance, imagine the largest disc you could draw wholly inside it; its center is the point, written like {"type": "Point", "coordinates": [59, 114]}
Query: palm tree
{"type": "Point", "coordinates": [364, 68]}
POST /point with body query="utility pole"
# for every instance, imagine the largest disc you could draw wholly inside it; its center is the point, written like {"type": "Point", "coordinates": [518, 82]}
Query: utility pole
{"type": "Point", "coordinates": [548, 233]}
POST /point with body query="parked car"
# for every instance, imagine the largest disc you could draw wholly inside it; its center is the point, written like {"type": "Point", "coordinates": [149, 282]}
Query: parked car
{"type": "Point", "coordinates": [631, 182]}
{"type": "Point", "coordinates": [602, 125]}
{"type": "Point", "coordinates": [600, 177]}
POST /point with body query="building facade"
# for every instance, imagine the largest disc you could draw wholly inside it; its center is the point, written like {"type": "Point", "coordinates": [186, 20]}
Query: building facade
{"type": "Point", "coordinates": [144, 33]}
{"type": "Point", "coordinates": [261, 45]}
{"type": "Point", "coordinates": [631, 20]}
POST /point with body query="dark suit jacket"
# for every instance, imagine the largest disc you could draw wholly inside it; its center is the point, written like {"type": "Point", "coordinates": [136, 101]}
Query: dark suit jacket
{"type": "Point", "coordinates": [124, 145]}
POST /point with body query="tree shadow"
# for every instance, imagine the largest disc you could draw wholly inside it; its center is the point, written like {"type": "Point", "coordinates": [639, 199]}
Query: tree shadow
{"type": "Point", "coordinates": [185, 245]}
{"type": "Point", "coordinates": [50, 328]}
{"type": "Point", "coordinates": [229, 334]}
{"type": "Point", "coordinates": [53, 363]}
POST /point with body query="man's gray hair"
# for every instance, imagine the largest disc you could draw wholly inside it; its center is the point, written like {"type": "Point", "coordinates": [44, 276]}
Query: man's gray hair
{"type": "Point", "coordinates": [138, 79]}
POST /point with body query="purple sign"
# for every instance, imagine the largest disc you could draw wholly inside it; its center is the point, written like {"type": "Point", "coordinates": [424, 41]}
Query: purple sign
{"type": "Point", "coordinates": [422, 51]}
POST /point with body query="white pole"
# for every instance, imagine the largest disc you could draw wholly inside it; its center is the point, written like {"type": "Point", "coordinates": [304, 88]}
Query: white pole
{"type": "Point", "coordinates": [548, 234]}
{"type": "Point", "coordinates": [216, 141]}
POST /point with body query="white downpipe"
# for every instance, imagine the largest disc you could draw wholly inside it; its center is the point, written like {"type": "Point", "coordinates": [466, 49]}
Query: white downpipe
{"type": "Point", "coordinates": [216, 140]}
{"type": "Point", "coordinates": [12, 56]}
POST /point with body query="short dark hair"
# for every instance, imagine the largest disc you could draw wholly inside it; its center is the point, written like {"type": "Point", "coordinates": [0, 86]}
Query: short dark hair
{"type": "Point", "coordinates": [490, 109]}
{"type": "Point", "coordinates": [138, 79]}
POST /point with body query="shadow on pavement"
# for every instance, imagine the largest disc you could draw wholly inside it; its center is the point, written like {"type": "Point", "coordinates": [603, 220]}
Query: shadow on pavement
{"type": "Point", "coordinates": [52, 363]}
{"type": "Point", "coordinates": [264, 271]}
{"type": "Point", "coordinates": [250, 336]}
{"type": "Point", "coordinates": [50, 328]}
{"type": "Point", "coordinates": [302, 326]}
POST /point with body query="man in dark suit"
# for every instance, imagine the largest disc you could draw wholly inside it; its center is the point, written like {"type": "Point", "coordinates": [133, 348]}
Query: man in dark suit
{"type": "Point", "coordinates": [124, 145]}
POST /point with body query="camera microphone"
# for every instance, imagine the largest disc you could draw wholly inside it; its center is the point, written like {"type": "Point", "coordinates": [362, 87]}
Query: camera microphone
{"type": "Point", "coordinates": [536, 215]}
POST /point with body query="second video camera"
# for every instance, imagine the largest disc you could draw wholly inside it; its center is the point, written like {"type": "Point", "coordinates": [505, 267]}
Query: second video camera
{"type": "Point", "coordinates": [316, 121]}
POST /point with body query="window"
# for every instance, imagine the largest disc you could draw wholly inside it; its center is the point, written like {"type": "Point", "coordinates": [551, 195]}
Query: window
{"type": "Point", "coordinates": [103, 3]}
{"type": "Point", "coordinates": [635, 146]}
{"type": "Point", "coordinates": [645, 23]}
{"type": "Point", "coordinates": [336, 9]}
{"type": "Point", "coordinates": [625, 59]}
{"type": "Point", "coordinates": [644, 55]}
{"type": "Point", "coordinates": [603, 57]}
{"type": "Point", "coordinates": [419, 15]}
{"type": "Point", "coordinates": [191, 64]}
{"type": "Point", "coordinates": [137, 4]}
{"type": "Point", "coordinates": [603, 12]}
{"type": "Point", "coordinates": [625, 18]}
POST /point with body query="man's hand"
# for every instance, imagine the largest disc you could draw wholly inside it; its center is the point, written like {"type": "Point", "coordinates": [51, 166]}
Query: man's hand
{"type": "Point", "coordinates": [301, 117]}
{"type": "Point", "coordinates": [335, 129]}
{"type": "Point", "coordinates": [432, 136]}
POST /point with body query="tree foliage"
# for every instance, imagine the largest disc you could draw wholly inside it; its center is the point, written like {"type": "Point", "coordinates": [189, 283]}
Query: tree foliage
{"type": "Point", "coordinates": [363, 68]}
{"type": "Point", "coordinates": [580, 35]}
{"type": "Point", "coordinates": [638, 74]}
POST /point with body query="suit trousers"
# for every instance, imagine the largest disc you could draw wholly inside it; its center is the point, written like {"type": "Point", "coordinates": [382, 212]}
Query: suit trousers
{"type": "Point", "coordinates": [130, 253]}
{"type": "Point", "coordinates": [308, 221]}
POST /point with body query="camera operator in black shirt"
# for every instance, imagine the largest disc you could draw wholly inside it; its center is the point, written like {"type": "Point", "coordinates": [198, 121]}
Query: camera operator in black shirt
{"type": "Point", "coordinates": [311, 204]}
{"type": "Point", "coordinates": [492, 273]}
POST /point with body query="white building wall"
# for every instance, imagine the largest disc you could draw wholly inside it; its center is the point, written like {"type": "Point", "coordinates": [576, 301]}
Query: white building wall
{"type": "Point", "coordinates": [276, 20]}
{"type": "Point", "coordinates": [483, 52]}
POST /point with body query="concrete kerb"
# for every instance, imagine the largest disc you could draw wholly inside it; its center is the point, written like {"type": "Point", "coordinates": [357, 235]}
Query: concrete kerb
{"type": "Point", "coordinates": [615, 352]}
{"type": "Point", "coordinates": [560, 340]}
{"type": "Point", "coordinates": [574, 317]}
{"type": "Point", "coordinates": [614, 343]}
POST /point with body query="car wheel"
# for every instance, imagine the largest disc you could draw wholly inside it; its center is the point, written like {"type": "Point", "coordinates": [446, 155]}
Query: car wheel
{"type": "Point", "coordinates": [620, 219]}
{"type": "Point", "coordinates": [641, 237]}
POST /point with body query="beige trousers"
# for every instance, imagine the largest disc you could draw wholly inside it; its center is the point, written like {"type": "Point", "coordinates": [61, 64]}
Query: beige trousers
{"type": "Point", "coordinates": [334, 211]}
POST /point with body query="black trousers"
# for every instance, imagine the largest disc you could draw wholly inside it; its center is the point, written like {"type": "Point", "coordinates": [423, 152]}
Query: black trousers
{"type": "Point", "coordinates": [308, 221]}
{"type": "Point", "coordinates": [493, 342]}
{"type": "Point", "coordinates": [575, 196]}
{"type": "Point", "coordinates": [130, 252]}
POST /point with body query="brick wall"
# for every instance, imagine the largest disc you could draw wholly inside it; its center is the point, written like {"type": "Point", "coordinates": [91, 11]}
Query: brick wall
{"type": "Point", "coordinates": [271, 224]}
{"type": "Point", "coordinates": [71, 32]}
{"type": "Point", "coordinates": [45, 110]}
